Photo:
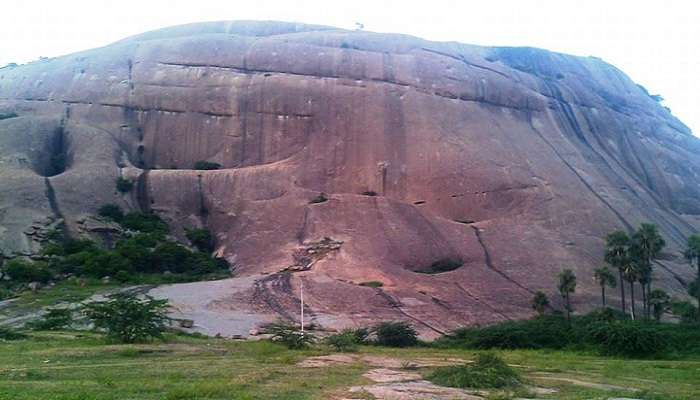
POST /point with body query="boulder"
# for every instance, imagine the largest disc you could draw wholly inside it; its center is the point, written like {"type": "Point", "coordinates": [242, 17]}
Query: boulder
{"type": "Point", "coordinates": [514, 161]}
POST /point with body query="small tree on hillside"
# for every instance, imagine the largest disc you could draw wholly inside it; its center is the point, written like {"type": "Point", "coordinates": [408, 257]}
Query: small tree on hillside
{"type": "Point", "coordinates": [567, 286]}
{"type": "Point", "coordinates": [540, 302]}
{"type": "Point", "coordinates": [201, 239]}
{"type": "Point", "coordinates": [692, 254]}
{"type": "Point", "coordinates": [124, 185]}
{"type": "Point", "coordinates": [604, 277]}
{"type": "Point", "coordinates": [111, 211]}
{"type": "Point", "coordinates": [128, 319]}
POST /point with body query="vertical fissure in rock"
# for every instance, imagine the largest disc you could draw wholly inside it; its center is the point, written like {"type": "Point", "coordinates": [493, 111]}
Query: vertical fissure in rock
{"type": "Point", "coordinates": [142, 198]}
{"type": "Point", "coordinates": [55, 209]}
{"type": "Point", "coordinates": [489, 261]}
{"type": "Point", "coordinates": [203, 210]}
{"type": "Point", "coordinates": [53, 158]}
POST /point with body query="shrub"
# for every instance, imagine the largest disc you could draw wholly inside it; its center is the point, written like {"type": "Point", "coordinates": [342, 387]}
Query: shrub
{"type": "Point", "coordinates": [6, 293]}
{"type": "Point", "coordinates": [124, 185]}
{"type": "Point", "coordinates": [25, 272]}
{"type": "Point", "coordinates": [289, 335]}
{"type": "Point", "coordinates": [105, 263]}
{"type": "Point", "coordinates": [372, 284]}
{"type": "Point", "coordinates": [488, 371]}
{"type": "Point", "coordinates": [74, 263]}
{"type": "Point", "coordinates": [139, 251]}
{"type": "Point", "coordinates": [396, 334]}
{"type": "Point", "coordinates": [170, 256]}
{"type": "Point", "coordinates": [540, 302]}
{"type": "Point", "coordinates": [7, 333]}
{"type": "Point", "coordinates": [361, 335]}
{"type": "Point", "coordinates": [144, 222]}
{"type": "Point", "coordinates": [685, 310]}
{"type": "Point", "coordinates": [345, 341]}
{"type": "Point", "coordinates": [199, 263]}
{"type": "Point", "coordinates": [627, 338]}
{"type": "Point", "coordinates": [321, 198]}
{"type": "Point", "coordinates": [111, 211]}
{"type": "Point", "coordinates": [55, 319]}
{"type": "Point", "coordinates": [73, 246]}
{"type": "Point", "coordinates": [547, 331]}
{"type": "Point", "coordinates": [606, 330]}
{"type": "Point", "coordinates": [206, 165]}
{"type": "Point", "coordinates": [201, 239]}
{"type": "Point", "coordinates": [7, 115]}
{"type": "Point", "coordinates": [442, 265]}
{"type": "Point", "coordinates": [128, 319]}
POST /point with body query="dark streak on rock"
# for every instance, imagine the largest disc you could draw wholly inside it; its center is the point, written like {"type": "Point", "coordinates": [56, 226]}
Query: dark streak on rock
{"type": "Point", "coordinates": [489, 262]}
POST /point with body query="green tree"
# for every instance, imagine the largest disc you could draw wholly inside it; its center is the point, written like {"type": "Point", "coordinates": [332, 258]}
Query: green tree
{"type": "Point", "coordinates": [616, 246]}
{"type": "Point", "coordinates": [649, 243]}
{"type": "Point", "coordinates": [106, 263]}
{"type": "Point", "coordinates": [604, 277]}
{"type": "Point", "coordinates": [540, 302]}
{"type": "Point", "coordinates": [128, 319]}
{"type": "Point", "coordinates": [24, 271]}
{"type": "Point", "coordinates": [111, 211]}
{"type": "Point", "coordinates": [124, 185]}
{"type": "Point", "coordinates": [144, 222]}
{"type": "Point", "coordinates": [694, 291]}
{"type": "Point", "coordinates": [567, 286]}
{"type": "Point", "coordinates": [692, 254]}
{"type": "Point", "coordinates": [201, 239]}
{"type": "Point", "coordinates": [396, 334]}
{"type": "Point", "coordinates": [206, 165]}
{"type": "Point", "coordinates": [659, 302]}
{"type": "Point", "coordinates": [289, 335]}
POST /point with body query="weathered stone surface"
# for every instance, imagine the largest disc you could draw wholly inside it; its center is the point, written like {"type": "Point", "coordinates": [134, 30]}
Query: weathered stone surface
{"type": "Point", "coordinates": [414, 390]}
{"type": "Point", "coordinates": [516, 161]}
{"type": "Point", "coordinates": [384, 375]}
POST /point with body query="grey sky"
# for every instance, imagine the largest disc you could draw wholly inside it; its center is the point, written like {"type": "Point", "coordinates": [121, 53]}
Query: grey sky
{"type": "Point", "coordinates": [655, 42]}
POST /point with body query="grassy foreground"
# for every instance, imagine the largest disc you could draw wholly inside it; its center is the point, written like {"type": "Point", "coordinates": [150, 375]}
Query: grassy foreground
{"type": "Point", "coordinates": [81, 366]}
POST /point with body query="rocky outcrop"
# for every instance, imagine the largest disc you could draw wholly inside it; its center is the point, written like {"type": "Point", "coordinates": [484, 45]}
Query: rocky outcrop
{"type": "Point", "coordinates": [515, 161]}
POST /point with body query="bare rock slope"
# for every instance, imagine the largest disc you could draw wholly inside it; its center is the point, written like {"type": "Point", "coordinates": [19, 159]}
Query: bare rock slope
{"type": "Point", "coordinates": [513, 161]}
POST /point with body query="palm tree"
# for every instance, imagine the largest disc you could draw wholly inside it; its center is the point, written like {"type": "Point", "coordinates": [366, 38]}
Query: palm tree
{"type": "Point", "coordinates": [540, 302]}
{"type": "Point", "coordinates": [644, 278]}
{"type": "Point", "coordinates": [630, 272]}
{"type": "Point", "coordinates": [692, 253]}
{"type": "Point", "coordinates": [616, 245]}
{"type": "Point", "coordinates": [659, 301]}
{"type": "Point", "coordinates": [604, 277]}
{"type": "Point", "coordinates": [650, 244]}
{"type": "Point", "coordinates": [567, 285]}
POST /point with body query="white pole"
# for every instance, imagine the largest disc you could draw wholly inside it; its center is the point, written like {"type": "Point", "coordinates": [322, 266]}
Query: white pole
{"type": "Point", "coordinates": [302, 306]}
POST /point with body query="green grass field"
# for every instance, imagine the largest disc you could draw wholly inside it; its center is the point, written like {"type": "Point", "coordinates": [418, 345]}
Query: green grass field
{"type": "Point", "coordinates": [82, 366]}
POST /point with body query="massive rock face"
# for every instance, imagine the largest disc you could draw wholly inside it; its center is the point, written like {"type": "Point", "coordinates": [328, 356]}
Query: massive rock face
{"type": "Point", "coordinates": [515, 161]}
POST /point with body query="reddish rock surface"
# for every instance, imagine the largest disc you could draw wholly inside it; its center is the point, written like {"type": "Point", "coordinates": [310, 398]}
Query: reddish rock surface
{"type": "Point", "coordinates": [515, 160]}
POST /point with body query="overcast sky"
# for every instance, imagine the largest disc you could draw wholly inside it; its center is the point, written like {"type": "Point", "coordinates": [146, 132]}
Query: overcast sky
{"type": "Point", "coordinates": [655, 42]}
